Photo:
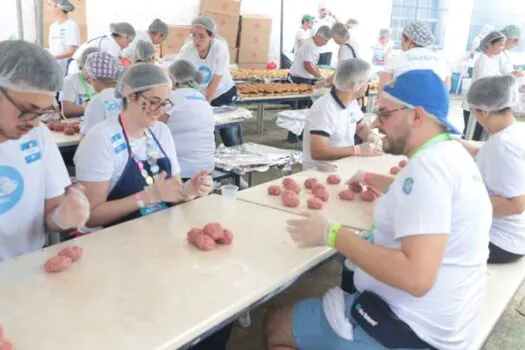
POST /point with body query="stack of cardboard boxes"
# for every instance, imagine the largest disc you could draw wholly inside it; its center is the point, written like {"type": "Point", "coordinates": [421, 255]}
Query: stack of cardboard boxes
{"type": "Point", "coordinates": [176, 38]}
{"type": "Point", "coordinates": [254, 43]}
{"type": "Point", "coordinates": [79, 16]}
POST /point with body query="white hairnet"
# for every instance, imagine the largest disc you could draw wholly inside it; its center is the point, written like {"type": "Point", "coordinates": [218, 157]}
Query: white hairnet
{"type": "Point", "coordinates": [144, 51]}
{"type": "Point", "coordinates": [123, 29]}
{"type": "Point", "coordinates": [84, 55]}
{"type": "Point", "coordinates": [352, 74]}
{"type": "Point", "coordinates": [325, 32]}
{"type": "Point", "coordinates": [340, 30]}
{"type": "Point", "coordinates": [183, 71]}
{"type": "Point", "coordinates": [490, 38]}
{"type": "Point", "coordinates": [157, 26]}
{"type": "Point", "coordinates": [64, 5]}
{"type": "Point", "coordinates": [25, 67]}
{"type": "Point", "coordinates": [141, 77]}
{"type": "Point", "coordinates": [206, 22]}
{"type": "Point", "coordinates": [419, 33]}
{"type": "Point", "coordinates": [493, 93]}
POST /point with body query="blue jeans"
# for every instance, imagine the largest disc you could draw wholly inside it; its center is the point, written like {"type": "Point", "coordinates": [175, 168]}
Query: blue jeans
{"type": "Point", "coordinates": [230, 136]}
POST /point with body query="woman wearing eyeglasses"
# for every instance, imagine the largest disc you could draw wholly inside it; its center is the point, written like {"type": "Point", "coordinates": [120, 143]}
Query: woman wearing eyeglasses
{"type": "Point", "coordinates": [33, 176]}
{"type": "Point", "coordinates": [129, 165]}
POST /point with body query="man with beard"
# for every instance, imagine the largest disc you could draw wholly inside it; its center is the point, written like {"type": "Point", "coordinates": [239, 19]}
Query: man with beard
{"type": "Point", "coordinates": [421, 284]}
{"type": "Point", "coordinates": [32, 173]}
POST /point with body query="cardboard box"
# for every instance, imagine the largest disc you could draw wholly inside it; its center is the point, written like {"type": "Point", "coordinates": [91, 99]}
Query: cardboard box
{"type": "Point", "coordinates": [255, 31]}
{"type": "Point", "coordinates": [176, 37]}
{"type": "Point", "coordinates": [253, 55]}
{"type": "Point", "coordinates": [233, 54]}
{"type": "Point", "coordinates": [252, 65]}
{"type": "Point", "coordinates": [224, 7]}
{"type": "Point", "coordinates": [227, 26]}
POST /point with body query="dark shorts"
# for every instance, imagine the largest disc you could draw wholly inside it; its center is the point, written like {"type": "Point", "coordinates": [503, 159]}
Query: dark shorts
{"type": "Point", "coordinates": [501, 256]}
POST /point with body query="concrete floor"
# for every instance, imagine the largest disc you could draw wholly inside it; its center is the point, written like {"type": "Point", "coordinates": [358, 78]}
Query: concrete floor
{"type": "Point", "coordinates": [508, 333]}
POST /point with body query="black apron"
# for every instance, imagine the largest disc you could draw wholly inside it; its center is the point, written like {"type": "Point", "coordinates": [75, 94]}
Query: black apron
{"type": "Point", "coordinates": [131, 181]}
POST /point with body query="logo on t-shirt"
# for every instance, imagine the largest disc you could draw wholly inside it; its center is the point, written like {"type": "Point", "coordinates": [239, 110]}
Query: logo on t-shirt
{"type": "Point", "coordinates": [408, 185]}
{"type": "Point", "coordinates": [206, 74]}
{"type": "Point", "coordinates": [11, 188]}
{"type": "Point", "coordinates": [31, 150]}
{"type": "Point", "coordinates": [113, 105]}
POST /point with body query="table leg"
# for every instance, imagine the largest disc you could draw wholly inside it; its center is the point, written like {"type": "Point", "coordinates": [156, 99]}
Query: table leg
{"type": "Point", "coordinates": [260, 118]}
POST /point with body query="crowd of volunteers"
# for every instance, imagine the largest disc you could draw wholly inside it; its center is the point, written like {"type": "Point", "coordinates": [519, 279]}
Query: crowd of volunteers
{"type": "Point", "coordinates": [148, 144]}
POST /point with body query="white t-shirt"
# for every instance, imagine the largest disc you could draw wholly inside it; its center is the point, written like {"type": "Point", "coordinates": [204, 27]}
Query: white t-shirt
{"type": "Point", "coordinates": [301, 34]}
{"type": "Point", "coordinates": [326, 21]}
{"type": "Point", "coordinates": [439, 192]}
{"type": "Point", "coordinates": [103, 154]}
{"type": "Point", "coordinates": [346, 53]}
{"type": "Point", "coordinates": [501, 161]}
{"type": "Point", "coordinates": [506, 66]}
{"type": "Point", "coordinates": [61, 36]}
{"type": "Point", "coordinates": [331, 118]}
{"type": "Point", "coordinates": [105, 43]}
{"type": "Point", "coordinates": [359, 43]}
{"type": "Point", "coordinates": [485, 66]}
{"type": "Point", "coordinates": [216, 63]}
{"type": "Point", "coordinates": [102, 107]}
{"type": "Point", "coordinates": [309, 52]}
{"type": "Point", "coordinates": [192, 125]}
{"type": "Point", "coordinates": [31, 171]}
{"type": "Point", "coordinates": [74, 91]}
{"type": "Point", "coordinates": [129, 51]}
{"type": "Point", "coordinates": [418, 58]}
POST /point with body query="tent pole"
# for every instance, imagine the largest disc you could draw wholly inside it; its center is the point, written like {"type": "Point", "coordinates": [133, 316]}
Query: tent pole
{"type": "Point", "coordinates": [20, 19]}
{"type": "Point", "coordinates": [281, 63]}
{"type": "Point", "coordinates": [38, 6]}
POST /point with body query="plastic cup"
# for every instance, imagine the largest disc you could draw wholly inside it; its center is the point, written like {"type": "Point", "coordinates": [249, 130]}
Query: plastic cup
{"type": "Point", "coordinates": [229, 195]}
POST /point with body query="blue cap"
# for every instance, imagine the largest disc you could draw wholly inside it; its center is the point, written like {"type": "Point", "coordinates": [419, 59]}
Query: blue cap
{"type": "Point", "coordinates": [425, 89]}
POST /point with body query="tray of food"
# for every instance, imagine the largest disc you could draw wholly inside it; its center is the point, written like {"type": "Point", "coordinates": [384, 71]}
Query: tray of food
{"type": "Point", "coordinates": [259, 74]}
{"type": "Point", "coordinates": [276, 89]}
{"type": "Point", "coordinates": [68, 127]}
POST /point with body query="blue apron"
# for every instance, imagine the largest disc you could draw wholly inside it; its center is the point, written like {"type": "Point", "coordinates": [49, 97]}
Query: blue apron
{"type": "Point", "coordinates": [131, 181]}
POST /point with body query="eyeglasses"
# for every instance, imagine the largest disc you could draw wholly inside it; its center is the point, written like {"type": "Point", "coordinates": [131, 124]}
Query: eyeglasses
{"type": "Point", "coordinates": [29, 115]}
{"type": "Point", "coordinates": [156, 105]}
{"type": "Point", "coordinates": [384, 114]}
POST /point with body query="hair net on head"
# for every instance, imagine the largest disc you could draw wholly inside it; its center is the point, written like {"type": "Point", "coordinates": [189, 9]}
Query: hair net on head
{"type": "Point", "coordinates": [123, 29]}
{"type": "Point", "coordinates": [144, 51]}
{"type": "Point", "coordinates": [419, 33]}
{"type": "Point", "coordinates": [325, 32]}
{"type": "Point", "coordinates": [493, 93]}
{"type": "Point", "coordinates": [512, 32]}
{"type": "Point", "coordinates": [340, 30]}
{"type": "Point", "coordinates": [384, 32]}
{"type": "Point", "coordinates": [84, 55]}
{"type": "Point", "coordinates": [352, 74]}
{"type": "Point", "coordinates": [103, 66]}
{"type": "Point", "coordinates": [64, 5]}
{"type": "Point", "coordinates": [141, 77]}
{"type": "Point", "coordinates": [157, 26]}
{"type": "Point", "coordinates": [490, 38]}
{"type": "Point", "coordinates": [206, 22]}
{"type": "Point", "coordinates": [25, 67]}
{"type": "Point", "coordinates": [183, 71]}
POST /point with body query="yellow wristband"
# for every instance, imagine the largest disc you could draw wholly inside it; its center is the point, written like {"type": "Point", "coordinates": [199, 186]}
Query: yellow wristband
{"type": "Point", "coordinates": [332, 234]}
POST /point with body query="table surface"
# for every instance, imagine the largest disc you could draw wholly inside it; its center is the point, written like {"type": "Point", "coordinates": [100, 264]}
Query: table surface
{"type": "Point", "coordinates": [315, 93]}
{"type": "Point", "coordinates": [355, 214]}
{"type": "Point", "coordinates": [141, 286]}
{"type": "Point", "coordinates": [63, 140]}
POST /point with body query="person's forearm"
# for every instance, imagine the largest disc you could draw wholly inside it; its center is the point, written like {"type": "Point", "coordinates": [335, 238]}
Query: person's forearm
{"type": "Point", "coordinates": [72, 110]}
{"type": "Point", "coordinates": [471, 146]}
{"type": "Point", "coordinates": [111, 211]}
{"type": "Point", "coordinates": [333, 153]}
{"type": "Point", "coordinates": [212, 88]}
{"type": "Point", "coordinates": [390, 266]}
{"type": "Point", "coordinates": [312, 69]}
{"type": "Point", "coordinates": [380, 182]}
{"type": "Point", "coordinates": [67, 54]}
{"type": "Point", "coordinates": [363, 131]}
{"type": "Point", "coordinates": [384, 78]}
{"type": "Point", "coordinates": [503, 207]}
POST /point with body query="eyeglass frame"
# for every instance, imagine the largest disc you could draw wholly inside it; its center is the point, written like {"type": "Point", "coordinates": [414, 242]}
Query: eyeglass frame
{"type": "Point", "coordinates": [36, 115]}
{"type": "Point", "coordinates": [162, 105]}
{"type": "Point", "coordinates": [382, 115]}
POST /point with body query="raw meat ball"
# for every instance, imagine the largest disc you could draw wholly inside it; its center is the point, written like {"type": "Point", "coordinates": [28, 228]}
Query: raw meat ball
{"type": "Point", "coordinates": [368, 196]}
{"type": "Point", "coordinates": [315, 203]}
{"type": "Point", "coordinates": [274, 190]}
{"type": "Point", "coordinates": [193, 234]}
{"type": "Point", "coordinates": [73, 252]}
{"type": "Point", "coordinates": [205, 242]}
{"type": "Point", "coordinates": [333, 180]}
{"type": "Point", "coordinates": [5, 345]}
{"type": "Point", "coordinates": [227, 237]}
{"type": "Point", "coordinates": [59, 127]}
{"type": "Point", "coordinates": [403, 163]}
{"type": "Point", "coordinates": [51, 126]}
{"type": "Point", "coordinates": [214, 230]}
{"type": "Point", "coordinates": [322, 194]}
{"type": "Point", "coordinates": [318, 187]}
{"type": "Point", "coordinates": [355, 187]}
{"type": "Point", "coordinates": [287, 181]}
{"type": "Point", "coordinates": [327, 168]}
{"type": "Point", "coordinates": [76, 128]}
{"type": "Point", "coordinates": [290, 199]}
{"type": "Point", "coordinates": [395, 170]}
{"type": "Point", "coordinates": [57, 264]}
{"type": "Point", "coordinates": [310, 183]}
{"type": "Point", "coordinates": [295, 187]}
{"type": "Point", "coordinates": [347, 195]}
{"type": "Point", "coordinates": [69, 130]}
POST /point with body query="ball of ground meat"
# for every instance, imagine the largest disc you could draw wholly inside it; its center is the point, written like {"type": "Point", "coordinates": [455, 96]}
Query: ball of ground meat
{"type": "Point", "coordinates": [327, 168]}
{"type": "Point", "coordinates": [333, 180]}
{"type": "Point", "coordinates": [59, 127]}
{"type": "Point", "coordinates": [318, 187]}
{"type": "Point", "coordinates": [57, 264]}
{"type": "Point", "coordinates": [367, 196]}
{"type": "Point", "coordinates": [295, 187]}
{"type": "Point", "coordinates": [205, 242]}
{"type": "Point", "coordinates": [6, 345]}
{"type": "Point", "coordinates": [193, 234]}
{"type": "Point", "coordinates": [69, 131]}
{"type": "Point", "coordinates": [290, 199]}
{"type": "Point", "coordinates": [347, 195]}
{"type": "Point", "coordinates": [310, 183]}
{"type": "Point", "coordinates": [322, 194]}
{"type": "Point", "coordinates": [395, 170]}
{"type": "Point", "coordinates": [315, 203]}
{"type": "Point", "coordinates": [51, 125]}
{"type": "Point", "coordinates": [403, 163]}
{"type": "Point", "coordinates": [274, 190]}
{"type": "Point", "coordinates": [287, 181]}
{"type": "Point", "coordinates": [73, 252]}
{"type": "Point", "coordinates": [227, 237]}
{"type": "Point", "coordinates": [214, 230]}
